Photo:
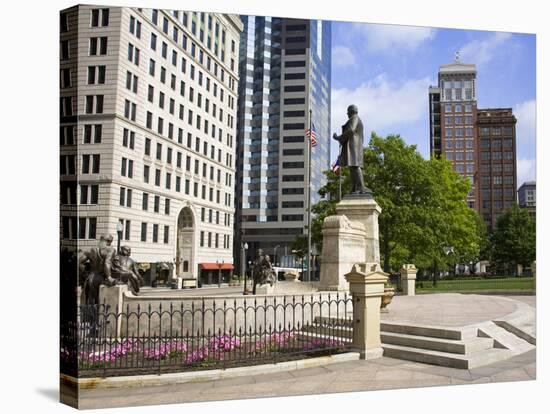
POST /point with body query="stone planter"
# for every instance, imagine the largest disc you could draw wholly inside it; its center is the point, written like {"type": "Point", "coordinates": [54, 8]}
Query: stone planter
{"type": "Point", "coordinates": [386, 299]}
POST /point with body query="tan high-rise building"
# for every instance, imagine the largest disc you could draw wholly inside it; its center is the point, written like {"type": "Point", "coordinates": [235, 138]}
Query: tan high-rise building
{"type": "Point", "coordinates": [453, 110]}
{"type": "Point", "coordinates": [148, 108]}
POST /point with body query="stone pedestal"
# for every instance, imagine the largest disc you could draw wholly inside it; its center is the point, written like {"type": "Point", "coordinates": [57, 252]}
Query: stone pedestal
{"type": "Point", "coordinates": [366, 211]}
{"type": "Point", "coordinates": [408, 279]}
{"type": "Point", "coordinates": [366, 283]}
{"type": "Point", "coordinates": [113, 298]}
{"type": "Point", "coordinates": [343, 246]}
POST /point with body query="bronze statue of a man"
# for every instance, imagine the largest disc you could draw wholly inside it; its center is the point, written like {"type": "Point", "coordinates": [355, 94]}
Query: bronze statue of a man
{"type": "Point", "coordinates": [126, 269]}
{"type": "Point", "coordinates": [95, 268]}
{"type": "Point", "coordinates": [351, 150]}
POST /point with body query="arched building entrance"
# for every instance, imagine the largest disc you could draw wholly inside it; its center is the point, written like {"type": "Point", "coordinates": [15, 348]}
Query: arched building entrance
{"type": "Point", "coordinates": [185, 239]}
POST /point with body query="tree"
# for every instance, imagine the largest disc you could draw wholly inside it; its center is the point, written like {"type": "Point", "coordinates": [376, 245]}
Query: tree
{"type": "Point", "coordinates": [513, 240]}
{"type": "Point", "coordinates": [423, 205]}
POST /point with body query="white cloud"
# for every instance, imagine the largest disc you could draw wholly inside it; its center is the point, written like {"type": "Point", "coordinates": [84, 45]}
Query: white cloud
{"type": "Point", "coordinates": [527, 170]}
{"type": "Point", "coordinates": [343, 56]}
{"type": "Point", "coordinates": [481, 52]}
{"type": "Point", "coordinates": [526, 127]}
{"type": "Point", "coordinates": [382, 104]}
{"type": "Point", "coordinates": [393, 38]}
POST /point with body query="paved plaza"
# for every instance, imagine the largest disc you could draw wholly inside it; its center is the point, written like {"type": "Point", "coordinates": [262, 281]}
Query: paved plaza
{"type": "Point", "coordinates": [382, 373]}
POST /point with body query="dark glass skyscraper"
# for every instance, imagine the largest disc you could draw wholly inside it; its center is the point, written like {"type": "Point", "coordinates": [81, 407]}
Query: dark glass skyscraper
{"type": "Point", "coordinates": [285, 70]}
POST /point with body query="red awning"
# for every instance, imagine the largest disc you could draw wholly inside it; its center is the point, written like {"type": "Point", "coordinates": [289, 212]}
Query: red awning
{"type": "Point", "coordinates": [216, 266]}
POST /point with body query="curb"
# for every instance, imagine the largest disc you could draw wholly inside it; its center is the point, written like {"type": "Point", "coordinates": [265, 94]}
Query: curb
{"type": "Point", "coordinates": [201, 376]}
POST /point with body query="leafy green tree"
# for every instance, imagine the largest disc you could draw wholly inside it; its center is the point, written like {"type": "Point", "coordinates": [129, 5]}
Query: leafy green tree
{"type": "Point", "coordinates": [514, 240]}
{"type": "Point", "coordinates": [423, 205]}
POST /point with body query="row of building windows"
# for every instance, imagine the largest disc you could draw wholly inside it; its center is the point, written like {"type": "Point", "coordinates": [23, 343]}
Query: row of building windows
{"type": "Point", "coordinates": [459, 120]}
{"type": "Point", "coordinates": [486, 131]}
{"type": "Point", "coordinates": [79, 227]}
{"type": "Point", "coordinates": [193, 49]}
{"type": "Point", "coordinates": [209, 239]}
{"type": "Point", "coordinates": [90, 164]}
{"type": "Point", "coordinates": [498, 193]}
{"type": "Point", "coordinates": [459, 144]}
{"type": "Point", "coordinates": [459, 132]}
{"type": "Point", "coordinates": [460, 156]}
{"type": "Point", "coordinates": [187, 183]}
{"type": "Point", "coordinates": [497, 143]}
{"type": "Point", "coordinates": [458, 108]}
{"type": "Point", "coordinates": [497, 168]}
{"type": "Point", "coordinates": [188, 160]}
{"type": "Point", "coordinates": [497, 155]}
{"type": "Point", "coordinates": [497, 180]}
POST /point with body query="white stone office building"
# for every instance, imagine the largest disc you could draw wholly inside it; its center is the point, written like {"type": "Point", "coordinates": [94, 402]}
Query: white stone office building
{"type": "Point", "coordinates": [147, 119]}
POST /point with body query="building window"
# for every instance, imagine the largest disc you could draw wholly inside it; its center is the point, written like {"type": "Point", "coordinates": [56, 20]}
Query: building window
{"type": "Point", "coordinates": [145, 202]}
{"type": "Point", "coordinates": [155, 233]}
{"type": "Point", "coordinates": [99, 18]}
{"type": "Point", "coordinates": [146, 169]}
{"type": "Point", "coordinates": [135, 27]}
{"type": "Point", "coordinates": [143, 232]}
{"type": "Point", "coordinates": [156, 207]}
{"type": "Point", "coordinates": [166, 234]}
{"type": "Point", "coordinates": [98, 46]}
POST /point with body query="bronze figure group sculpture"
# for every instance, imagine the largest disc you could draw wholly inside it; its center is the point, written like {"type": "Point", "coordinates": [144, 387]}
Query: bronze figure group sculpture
{"type": "Point", "coordinates": [102, 265]}
{"type": "Point", "coordinates": [262, 271]}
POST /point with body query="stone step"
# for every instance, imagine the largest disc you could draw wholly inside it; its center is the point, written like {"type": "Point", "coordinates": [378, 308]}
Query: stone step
{"type": "Point", "coordinates": [446, 359]}
{"type": "Point", "coordinates": [433, 332]}
{"type": "Point", "coordinates": [524, 331]}
{"type": "Point", "coordinates": [504, 338]}
{"type": "Point", "coordinates": [453, 346]}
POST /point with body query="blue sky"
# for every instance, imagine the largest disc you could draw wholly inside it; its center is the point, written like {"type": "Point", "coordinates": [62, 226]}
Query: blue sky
{"type": "Point", "coordinates": [386, 70]}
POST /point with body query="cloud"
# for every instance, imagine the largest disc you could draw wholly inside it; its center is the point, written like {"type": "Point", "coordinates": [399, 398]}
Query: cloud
{"type": "Point", "coordinates": [392, 38]}
{"type": "Point", "coordinates": [481, 52]}
{"type": "Point", "coordinates": [526, 127]}
{"type": "Point", "coordinates": [527, 170]}
{"type": "Point", "coordinates": [343, 56]}
{"type": "Point", "coordinates": [383, 104]}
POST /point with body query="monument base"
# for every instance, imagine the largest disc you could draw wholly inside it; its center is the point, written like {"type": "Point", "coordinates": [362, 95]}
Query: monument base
{"type": "Point", "coordinates": [343, 246]}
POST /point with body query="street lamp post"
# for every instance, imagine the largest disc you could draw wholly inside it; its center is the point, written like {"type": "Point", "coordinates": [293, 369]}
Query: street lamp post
{"type": "Point", "coordinates": [220, 265]}
{"type": "Point", "coordinates": [275, 254]}
{"type": "Point", "coordinates": [244, 247]}
{"type": "Point", "coordinates": [119, 229]}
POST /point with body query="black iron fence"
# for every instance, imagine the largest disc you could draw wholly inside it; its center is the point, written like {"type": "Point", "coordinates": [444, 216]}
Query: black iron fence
{"type": "Point", "coordinates": [204, 334]}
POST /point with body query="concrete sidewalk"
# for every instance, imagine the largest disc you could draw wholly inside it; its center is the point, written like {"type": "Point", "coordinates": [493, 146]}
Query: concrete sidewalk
{"type": "Point", "coordinates": [383, 373]}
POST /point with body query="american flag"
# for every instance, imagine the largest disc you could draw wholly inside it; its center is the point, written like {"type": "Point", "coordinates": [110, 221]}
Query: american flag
{"type": "Point", "coordinates": [312, 135]}
{"type": "Point", "coordinates": [336, 165]}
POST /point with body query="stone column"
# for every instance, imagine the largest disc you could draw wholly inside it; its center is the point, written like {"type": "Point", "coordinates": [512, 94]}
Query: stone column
{"type": "Point", "coordinates": [408, 279]}
{"type": "Point", "coordinates": [343, 246]}
{"type": "Point", "coordinates": [366, 281]}
{"type": "Point", "coordinates": [366, 211]}
{"type": "Point", "coordinates": [113, 299]}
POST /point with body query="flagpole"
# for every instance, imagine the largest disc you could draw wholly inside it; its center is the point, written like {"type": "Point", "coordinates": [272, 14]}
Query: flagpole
{"type": "Point", "coordinates": [340, 183]}
{"type": "Point", "coordinates": [309, 200]}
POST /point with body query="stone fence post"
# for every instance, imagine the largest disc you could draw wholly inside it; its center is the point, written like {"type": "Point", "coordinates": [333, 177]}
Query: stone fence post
{"type": "Point", "coordinates": [366, 282]}
{"type": "Point", "coordinates": [408, 279]}
{"type": "Point", "coordinates": [113, 298]}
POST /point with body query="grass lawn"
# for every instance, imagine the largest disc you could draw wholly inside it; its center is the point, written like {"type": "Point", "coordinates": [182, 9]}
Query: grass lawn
{"type": "Point", "coordinates": [515, 284]}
